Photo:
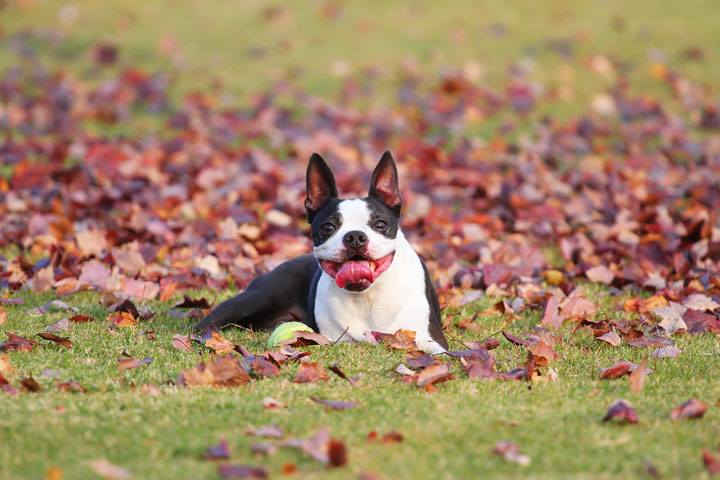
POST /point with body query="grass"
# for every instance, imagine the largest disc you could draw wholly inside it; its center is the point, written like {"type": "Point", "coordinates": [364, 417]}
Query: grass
{"type": "Point", "coordinates": [448, 434]}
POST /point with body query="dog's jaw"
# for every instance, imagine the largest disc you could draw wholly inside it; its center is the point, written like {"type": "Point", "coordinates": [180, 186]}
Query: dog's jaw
{"type": "Point", "coordinates": [356, 274]}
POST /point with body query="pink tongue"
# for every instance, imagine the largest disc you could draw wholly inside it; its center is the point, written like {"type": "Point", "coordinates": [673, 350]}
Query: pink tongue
{"type": "Point", "coordinates": [354, 272]}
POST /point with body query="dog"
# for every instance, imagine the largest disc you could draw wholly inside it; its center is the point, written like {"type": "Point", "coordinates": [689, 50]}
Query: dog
{"type": "Point", "coordinates": [363, 274]}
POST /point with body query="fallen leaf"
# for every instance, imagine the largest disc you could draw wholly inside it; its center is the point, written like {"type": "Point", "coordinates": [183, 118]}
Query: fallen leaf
{"type": "Point", "coordinates": [61, 325]}
{"type": "Point", "coordinates": [124, 363]}
{"type": "Point", "coordinates": [637, 377]}
{"type": "Point", "coordinates": [436, 373]}
{"type": "Point", "coordinates": [107, 470]}
{"type": "Point", "coordinates": [5, 366]}
{"type": "Point", "coordinates": [81, 319]}
{"type": "Point", "coordinates": [65, 342]}
{"type": "Point", "coordinates": [693, 408]}
{"type": "Point", "coordinates": [335, 404]}
{"type": "Point", "coordinates": [271, 403]}
{"type": "Point", "coordinates": [227, 470]}
{"type": "Point", "coordinates": [269, 431]}
{"type": "Point", "coordinates": [30, 384]}
{"type": "Point", "coordinates": [265, 368]}
{"type": "Point", "coordinates": [516, 341]}
{"type": "Point", "coordinates": [337, 453]}
{"type": "Point", "coordinates": [711, 461]}
{"type": "Point", "coordinates": [611, 338]}
{"type": "Point", "coordinates": [71, 386]}
{"type": "Point", "coordinates": [220, 372]}
{"type": "Point", "coordinates": [221, 451]}
{"type": "Point", "coordinates": [336, 370]}
{"type": "Point", "coordinates": [310, 372]}
{"type": "Point", "coordinates": [121, 319]}
{"type": "Point", "coordinates": [303, 338]}
{"type": "Point", "coordinates": [3, 315]}
{"type": "Point", "coordinates": [16, 343]}
{"type": "Point", "coordinates": [621, 409]}
{"type": "Point", "coordinates": [672, 320]}
{"type": "Point", "coordinates": [188, 302]}
{"type": "Point", "coordinates": [600, 274]}
{"type": "Point", "coordinates": [621, 368]}
{"type": "Point", "coordinates": [700, 302]}
{"type": "Point", "coordinates": [182, 343]}
{"type": "Point", "coordinates": [220, 344]}
{"type": "Point", "coordinates": [666, 352]}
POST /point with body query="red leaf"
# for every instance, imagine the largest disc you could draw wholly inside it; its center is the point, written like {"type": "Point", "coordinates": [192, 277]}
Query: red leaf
{"type": "Point", "coordinates": [621, 409]}
{"type": "Point", "coordinates": [310, 372]}
{"type": "Point", "coordinates": [693, 408]}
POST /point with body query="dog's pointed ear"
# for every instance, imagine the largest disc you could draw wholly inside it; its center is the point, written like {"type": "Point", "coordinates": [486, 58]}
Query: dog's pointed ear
{"type": "Point", "coordinates": [320, 185]}
{"type": "Point", "coordinates": [384, 184]}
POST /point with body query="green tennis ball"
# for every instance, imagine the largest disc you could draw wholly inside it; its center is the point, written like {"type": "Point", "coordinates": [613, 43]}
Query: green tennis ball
{"type": "Point", "coordinates": [286, 331]}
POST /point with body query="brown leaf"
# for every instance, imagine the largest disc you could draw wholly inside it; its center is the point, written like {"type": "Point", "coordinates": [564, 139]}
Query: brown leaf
{"type": "Point", "coordinates": [121, 319]}
{"type": "Point", "coordinates": [3, 315]}
{"type": "Point", "coordinates": [402, 340]}
{"type": "Point", "coordinates": [516, 341]}
{"type": "Point", "coordinates": [221, 451]}
{"type": "Point", "coordinates": [221, 372]}
{"type": "Point", "coordinates": [551, 317]}
{"type": "Point", "coordinates": [71, 386]}
{"type": "Point", "coordinates": [621, 368]}
{"type": "Point", "coordinates": [81, 319]}
{"type": "Point", "coordinates": [693, 408]}
{"type": "Point", "coordinates": [600, 274]}
{"type": "Point", "coordinates": [392, 437]}
{"type": "Point", "coordinates": [61, 325]}
{"type": "Point", "coordinates": [124, 363]}
{"type": "Point", "coordinates": [621, 409]}
{"type": "Point", "coordinates": [337, 453]}
{"type": "Point", "coordinates": [666, 352]}
{"type": "Point", "coordinates": [544, 353]}
{"type": "Point", "coordinates": [227, 470]}
{"type": "Point", "coordinates": [418, 359]}
{"type": "Point", "coordinates": [478, 368]}
{"type": "Point", "coordinates": [5, 366]}
{"type": "Point", "coordinates": [711, 461]}
{"type": "Point", "coordinates": [576, 306]}
{"type": "Point", "coordinates": [65, 342]}
{"type": "Point", "coordinates": [310, 372]}
{"type": "Point", "coordinates": [221, 345]}
{"type": "Point", "coordinates": [335, 404]}
{"type": "Point", "coordinates": [265, 368]}
{"type": "Point", "coordinates": [637, 377]}
{"type": "Point", "coordinates": [16, 343]}
{"type": "Point", "coordinates": [30, 384]}
{"type": "Point", "coordinates": [336, 370]}
{"type": "Point", "coordinates": [182, 343]}
{"type": "Point", "coordinates": [435, 373]}
{"type": "Point", "coordinates": [611, 338]}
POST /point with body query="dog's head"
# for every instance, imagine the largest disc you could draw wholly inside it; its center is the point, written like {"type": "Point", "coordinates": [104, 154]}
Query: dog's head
{"type": "Point", "coordinates": [354, 238]}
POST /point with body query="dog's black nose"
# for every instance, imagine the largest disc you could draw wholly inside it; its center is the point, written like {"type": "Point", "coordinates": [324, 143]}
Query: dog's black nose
{"type": "Point", "coordinates": [355, 239]}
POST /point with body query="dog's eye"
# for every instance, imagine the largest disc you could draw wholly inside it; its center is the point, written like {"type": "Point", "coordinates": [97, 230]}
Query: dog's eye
{"type": "Point", "coordinates": [327, 228]}
{"type": "Point", "coordinates": [380, 225]}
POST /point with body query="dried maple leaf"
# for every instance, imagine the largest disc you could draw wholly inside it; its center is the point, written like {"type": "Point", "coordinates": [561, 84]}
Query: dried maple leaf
{"type": "Point", "coordinates": [600, 274]}
{"type": "Point", "coordinates": [121, 319]}
{"type": "Point", "coordinates": [544, 353]}
{"type": "Point", "coordinates": [418, 359]}
{"type": "Point", "coordinates": [693, 408]}
{"type": "Point", "coordinates": [435, 373]}
{"type": "Point", "coordinates": [402, 340]}
{"type": "Point", "coordinates": [700, 302]}
{"type": "Point", "coordinates": [621, 409]}
{"type": "Point", "coordinates": [480, 367]}
{"type": "Point", "coordinates": [621, 368]}
{"type": "Point", "coordinates": [182, 343]}
{"type": "Point", "coordinates": [16, 343]}
{"type": "Point", "coordinates": [335, 404]}
{"type": "Point", "coordinates": [65, 342]}
{"type": "Point", "coordinates": [5, 366]}
{"type": "Point", "coordinates": [124, 363]}
{"type": "Point", "coordinates": [516, 341]}
{"type": "Point", "coordinates": [81, 319]}
{"type": "Point", "coordinates": [637, 377]}
{"type": "Point", "coordinates": [551, 317]}
{"type": "Point", "coordinates": [310, 372]}
{"type": "Point", "coordinates": [71, 386]}
{"type": "Point", "coordinates": [220, 344]}
{"type": "Point", "coordinates": [576, 306]}
{"type": "Point", "coordinates": [611, 338]}
{"type": "Point", "coordinates": [221, 372]}
{"type": "Point", "coordinates": [61, 325]}
{"type": "Point", "coordinates": [666, 352]}
{"type": "Point", "coordinates": [265, 368]}
{"type": "Point", "coordinates": [672, 320]}
{"type": "Point", "coordinates": [221, 451]}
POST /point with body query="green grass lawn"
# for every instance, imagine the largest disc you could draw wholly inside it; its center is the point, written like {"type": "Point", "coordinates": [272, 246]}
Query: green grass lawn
{"type": "Point", "coordinates": [238, 48]}
{"type": "Point", "coordinates": [447, 434]}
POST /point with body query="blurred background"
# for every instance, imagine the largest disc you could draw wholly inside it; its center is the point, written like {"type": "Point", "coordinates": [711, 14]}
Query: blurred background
{"type": "Point", "coordinates": [570, 50]}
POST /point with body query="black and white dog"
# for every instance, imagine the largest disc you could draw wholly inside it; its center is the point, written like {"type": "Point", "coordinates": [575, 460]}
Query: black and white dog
{"type": "Point", "coordinates": [363, 276]}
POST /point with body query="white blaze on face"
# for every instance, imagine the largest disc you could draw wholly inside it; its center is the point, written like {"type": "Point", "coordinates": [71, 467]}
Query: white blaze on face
{"type": "Point", "coordinates": [355, 216]}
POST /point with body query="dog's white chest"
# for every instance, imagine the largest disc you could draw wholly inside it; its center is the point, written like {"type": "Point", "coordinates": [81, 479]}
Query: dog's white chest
{"type": "Point", "coordinates": [396, 300]}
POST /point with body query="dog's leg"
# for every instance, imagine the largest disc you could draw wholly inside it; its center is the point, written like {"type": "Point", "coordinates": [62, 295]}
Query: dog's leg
{"type": "Point", "coordinates": [269, 298]}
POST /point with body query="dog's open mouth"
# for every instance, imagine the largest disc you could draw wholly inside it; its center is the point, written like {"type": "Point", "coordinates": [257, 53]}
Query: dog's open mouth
{"type": "Point", "coordinates": [356, 273]}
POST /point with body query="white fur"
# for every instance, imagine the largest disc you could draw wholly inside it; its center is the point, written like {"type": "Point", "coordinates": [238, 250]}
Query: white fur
{"type": "Point", "coordinates": [395, 300]}
{"type": "Point", "coordinates": [355, 217]}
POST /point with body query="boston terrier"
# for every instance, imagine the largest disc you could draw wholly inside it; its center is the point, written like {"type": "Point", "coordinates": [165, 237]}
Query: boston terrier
{"type": "Point", "coordinates": [363, 275]}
